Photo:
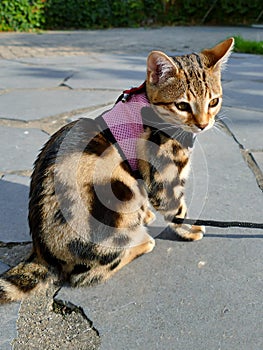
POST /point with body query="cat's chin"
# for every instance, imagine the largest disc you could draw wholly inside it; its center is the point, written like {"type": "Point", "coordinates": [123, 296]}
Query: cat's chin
{"type": "Point", "coordinates": [199, 131]}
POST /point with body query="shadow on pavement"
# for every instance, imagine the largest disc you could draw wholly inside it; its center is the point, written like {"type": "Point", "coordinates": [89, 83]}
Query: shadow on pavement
{"type": "Point", "coordinates": [13, 208]}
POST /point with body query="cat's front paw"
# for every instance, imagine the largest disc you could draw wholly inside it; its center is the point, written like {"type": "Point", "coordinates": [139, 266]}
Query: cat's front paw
{"type": "Point", "coordinates": [188, 232]}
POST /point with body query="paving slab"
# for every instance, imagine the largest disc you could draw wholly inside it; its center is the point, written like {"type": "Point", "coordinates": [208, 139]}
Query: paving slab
{"type": "Point", "coordinates": [49, 102]}
{"type": "Point", "coordinates": [3, 267]}
{"type": "Point", "coordinates": [100, 71]}
{"type": "Point", "coordinates": [247, 125]}
{"type": "Point", "coordinates": [110, 73]}
{"type": "Point", "coordinates": [14, 193]}
{"type": "Point", "coordinates": [244, 98]}
{"type": "Point", "coordinates": [20, 75]}
{"type": "Point", "coordinates": [20, 147]}
{"type": "Point", "coordinates": [205, 295]}
{"type": "Point", "coordinates": [242, 83]}
{"type": "Point", "coordinates": [244, 65]}
{"type": "Point", "coordinates": [226, 179]}
{"type": "Point", "coordinates": [8, 332]}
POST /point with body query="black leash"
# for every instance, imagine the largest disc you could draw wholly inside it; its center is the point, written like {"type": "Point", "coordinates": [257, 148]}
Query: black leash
{"type": "Point", "coordinates": [222, 224]}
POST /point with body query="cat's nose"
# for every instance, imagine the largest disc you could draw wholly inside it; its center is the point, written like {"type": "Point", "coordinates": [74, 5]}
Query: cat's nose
{"type": "Point", "coordinates": [202, 126]}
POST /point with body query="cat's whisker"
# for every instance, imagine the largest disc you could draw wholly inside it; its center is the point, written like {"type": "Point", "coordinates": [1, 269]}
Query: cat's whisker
{"type": "Point", "coordinates": [164, 126]}
{"type": "Point", "coordinates": [171, 122]}
{"type": "Point", "coordinates": [166, 130]}
{"type": "Point", "coordinates": [218, 129]}
{"type": "Point", "coordinates": [178, 133]}
{"type": "Point", "coordinates": [219, 125]}
{"type": "Point", "coordinates": [222, 117]}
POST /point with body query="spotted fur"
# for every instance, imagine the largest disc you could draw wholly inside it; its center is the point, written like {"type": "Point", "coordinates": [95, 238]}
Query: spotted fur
{"type": "Point", "coordinates": [88, 211]}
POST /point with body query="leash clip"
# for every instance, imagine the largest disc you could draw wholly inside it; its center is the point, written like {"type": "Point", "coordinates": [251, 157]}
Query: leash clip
{"type": "Point", "coordinates": [126, 95]}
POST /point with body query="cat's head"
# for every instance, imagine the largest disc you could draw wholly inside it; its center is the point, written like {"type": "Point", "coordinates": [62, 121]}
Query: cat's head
{"type": "Point", "coordinates": [186, 90]}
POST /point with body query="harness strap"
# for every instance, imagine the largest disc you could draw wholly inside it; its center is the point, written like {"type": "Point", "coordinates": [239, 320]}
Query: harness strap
{"type": "Point", "coordinates": [106, 132]}
{"type": "Point", "coordinates": [136, 90]}
{"type": "Point", "coordinates": [127, 94]}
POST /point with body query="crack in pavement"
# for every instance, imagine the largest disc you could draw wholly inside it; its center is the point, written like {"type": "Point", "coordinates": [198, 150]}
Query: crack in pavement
{"type": "Point", "coordinates": [19, 172]}
{"type": "Point", "coordinates": [246, 154]}
{"type": "Point", "coordinates": [64, 82]}
{"type": "Point", "coordinates": [13, 244]}
{"type": "Point", "coordinates": [253, 165]}
{"type": "Point", "coordinates": [53, 322]}
{"type": "Point", "coordinates": [66, 307]}
{"type": "Point", "coordinates": [45, 319]}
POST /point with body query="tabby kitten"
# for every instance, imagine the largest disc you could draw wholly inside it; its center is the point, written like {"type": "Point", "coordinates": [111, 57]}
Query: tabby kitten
{"type": "Point", "coordinates": [94, 179]}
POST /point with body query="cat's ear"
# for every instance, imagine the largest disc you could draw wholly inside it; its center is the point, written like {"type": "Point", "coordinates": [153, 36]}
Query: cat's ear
{"type": "Point", "coordinates": [217, 56]}
{"type": "Point", "coordinates": [159, 67]}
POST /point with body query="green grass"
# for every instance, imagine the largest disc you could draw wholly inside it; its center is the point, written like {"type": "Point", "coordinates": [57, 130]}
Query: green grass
{"type": "Point", "coordinates": [248, 46]}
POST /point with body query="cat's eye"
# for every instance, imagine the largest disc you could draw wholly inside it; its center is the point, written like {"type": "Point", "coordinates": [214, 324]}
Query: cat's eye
{"type": "Point", "coordinates": [183, 106]}
{"type": "Point", "coordinates": [213, 103]}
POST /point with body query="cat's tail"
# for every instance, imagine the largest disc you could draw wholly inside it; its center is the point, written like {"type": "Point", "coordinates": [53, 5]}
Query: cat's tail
{"type": "Point", "coordinates": [21, 280]}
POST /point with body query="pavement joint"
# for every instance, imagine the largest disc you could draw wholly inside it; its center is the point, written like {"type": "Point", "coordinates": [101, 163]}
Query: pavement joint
{"type": "Point", "coordinates": [25, 173]}
{"type": "Point", "coordinates": [247, 156]}
{"type": "Point", "coordinates": [254, 167]}
{"type": "Point", "coordinates": [52, 123]}
{"type": "Point", "coordinates": [13, 244]}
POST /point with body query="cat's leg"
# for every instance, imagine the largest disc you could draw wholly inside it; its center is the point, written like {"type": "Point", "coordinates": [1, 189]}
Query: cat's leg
{"type": "Point", "coordinates": [110, 260]}
{"type": "Point", "coordinates": [185, 231]}
{"type": "Point", "coordinates": [165, 167]}
{"type": "Point", "coordinates": [171, 204]}
{"type": "Point", "coordinates": [138, 249]}
{"type": "Point", "coordinates": [166, 194]}
{"type": "Point", "coordinates": [167, 197]}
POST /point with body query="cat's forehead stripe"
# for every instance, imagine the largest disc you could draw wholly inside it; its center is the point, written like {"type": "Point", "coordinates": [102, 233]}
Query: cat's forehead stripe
{"type": "Point", "coordinates": [198, 60]}
{"type": "Point", "coordinates": [194, 74]}
{"type": "Point", "coordinates": [189, 61]}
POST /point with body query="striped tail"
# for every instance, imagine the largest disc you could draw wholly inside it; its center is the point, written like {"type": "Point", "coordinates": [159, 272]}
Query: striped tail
{"type": "Point", "coordinates": [18, 282]}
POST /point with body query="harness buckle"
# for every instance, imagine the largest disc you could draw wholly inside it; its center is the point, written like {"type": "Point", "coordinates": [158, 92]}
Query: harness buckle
{"type": "Point", "coordinates": [125, 97]}
{"type": "Point", "coordinates": [133, 90]}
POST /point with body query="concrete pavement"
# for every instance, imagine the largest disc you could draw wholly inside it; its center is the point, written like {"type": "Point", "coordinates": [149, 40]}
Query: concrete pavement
{"type": "Point", "coordinates": [203, 295]}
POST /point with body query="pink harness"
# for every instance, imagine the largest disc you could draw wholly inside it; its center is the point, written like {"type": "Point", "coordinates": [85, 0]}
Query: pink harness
{"type": "Point", "coordinates": [125, 123]}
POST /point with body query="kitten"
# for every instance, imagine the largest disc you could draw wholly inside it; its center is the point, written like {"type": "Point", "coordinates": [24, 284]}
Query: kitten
{"type": "Point", "coordinates": [94, 180]}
